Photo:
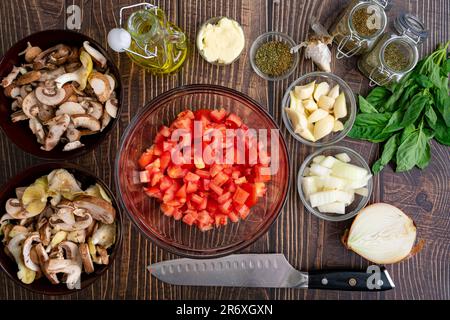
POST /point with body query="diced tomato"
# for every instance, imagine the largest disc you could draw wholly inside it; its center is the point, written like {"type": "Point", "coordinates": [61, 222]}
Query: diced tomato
{"type": "Point", "coordinates": [167, 210]}
{"type": "Point", "coordinates": [159, 138]}
{"type": "Point", "coordinates": [240, 196]}
{"type": "Point", "coordinates": [164, 131]}
{"type": "Point", "coordinates": [226, 207]}
{"type": "Point", "coordinates": [186, 114]}
{"type": "Point", "coordinates": [145, 159]}
{"type": "Point", "coordinates": [221, 220]}
{"type": "Point", "coordinates": [183, 123]}
{"type": "Point", "coordinates": [196, 198]}
{"type": "Point", "coordinates": [224, 198]}
{"type": "Point", "coordinates": [204, 217]}
{"type": "Point", "coordinates": [252, 199]}
{"type": "Point", "coordinates": [169, 195]}
{"type": "Point", "coordinates": [218, 115]}
{"type": "Point", "coordinates": [241, 180]}
{"type": "Point", "coordinates": [191, 187]}
{"type": "Point", "coordinates": [206, 183]}
{"type": "Point", "coordinates": [191, 177]}
{"type": "Point", "coordinates": [174, 203]}
{"type": "Point", "coordinates": [175, 172]}
{"type": "Point", "coordinates": [243, 211]}
{"type": "Point", "coordinates": [164, 160]}
{"type": "Point", "coordinates": [233, 216]}
{"type": "Point", "coordinates": [202, 173]}
{"type": "Point", "coordinates": [190, 218]}
{"type": "Point", "coordinates": [157, 149]}
{"type": "Point", "coordinates": [215, 169]}
{"type": "Point", "coordinates": [235, 174]}
{"type": "Point", "coordinates": [220, 179]}
{"type": "Point", "coordinates": [259, 174]}
{"type": "Point", "coordinates": [202, 113]}
{"type": "Point", "coordinates": [260, 189]}
{"type": "Point", "coordinates": [153, 192]}
{"type": "Point", "coordinates": [181, 193]}
{"type": "Point", "coordinates": [165, 184]}
{"type": "Point", "coordinates": [177, 215]}
{"type": "Point", "coordinates": [156, 178]}
{"type": "Point", "coordinates": [203, 205]}
{"type": "Point", "coordinates": [214, 187]}
{"type": "Point", "coordinates": [231, 187]}
{"type": "Point", "coordinates": [211, 206]}
{"type": "Point", "coordinates": [233, 121]}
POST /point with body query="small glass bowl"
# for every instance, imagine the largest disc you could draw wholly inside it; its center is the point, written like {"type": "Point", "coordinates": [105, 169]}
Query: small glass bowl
{"type": "Point", "coordinates": [273, 36]}
{"type": "Point", "coordinates": [359, 203]}
{"type": "Point", "coordinates": [214, 21]}
{"type": "Point", "coordinates": [332, 80]}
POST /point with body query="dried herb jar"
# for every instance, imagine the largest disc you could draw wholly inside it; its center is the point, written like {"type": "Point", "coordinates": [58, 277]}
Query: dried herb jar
{"type": "Point", "coordinates": [396, 54]}
{"type": "Point", "coordinates": [358, 27]}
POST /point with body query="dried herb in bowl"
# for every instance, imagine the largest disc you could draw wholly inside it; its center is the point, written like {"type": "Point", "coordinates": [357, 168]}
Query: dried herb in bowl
{"type": "Point", "coordinates": [274, 58]}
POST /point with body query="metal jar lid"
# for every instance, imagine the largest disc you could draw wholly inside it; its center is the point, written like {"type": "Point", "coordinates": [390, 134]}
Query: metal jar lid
{"type": "Point", "coordinates": [411, 26]}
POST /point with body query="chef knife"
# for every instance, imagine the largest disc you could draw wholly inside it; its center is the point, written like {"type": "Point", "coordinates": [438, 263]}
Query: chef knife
{"type": "Point", "coordinates": [265, 271]}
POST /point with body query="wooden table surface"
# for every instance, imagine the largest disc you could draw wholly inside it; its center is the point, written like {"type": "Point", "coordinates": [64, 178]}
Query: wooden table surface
{"type": "Point", "coordinates": [306, 241]}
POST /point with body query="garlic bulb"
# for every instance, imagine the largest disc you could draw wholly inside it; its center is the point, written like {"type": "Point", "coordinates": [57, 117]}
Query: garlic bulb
{"type": "Point", "coordinates": [382, 233]}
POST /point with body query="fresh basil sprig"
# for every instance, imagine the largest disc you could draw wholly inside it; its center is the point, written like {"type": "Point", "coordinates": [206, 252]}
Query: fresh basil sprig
{"type": "Point", "coordinates": [407, 115]}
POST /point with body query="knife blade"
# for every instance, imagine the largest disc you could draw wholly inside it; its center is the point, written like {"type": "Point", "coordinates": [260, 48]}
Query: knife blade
{"type": "Point", "coordinates": [265, 271]}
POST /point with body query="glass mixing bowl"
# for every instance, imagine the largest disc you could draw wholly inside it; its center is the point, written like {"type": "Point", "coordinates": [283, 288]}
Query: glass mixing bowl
{"type": "Point", "coordinates": [176, 236]}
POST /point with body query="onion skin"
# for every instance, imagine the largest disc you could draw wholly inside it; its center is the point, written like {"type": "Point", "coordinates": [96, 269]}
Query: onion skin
{"type": "Point", "coordinates": [398, 234]}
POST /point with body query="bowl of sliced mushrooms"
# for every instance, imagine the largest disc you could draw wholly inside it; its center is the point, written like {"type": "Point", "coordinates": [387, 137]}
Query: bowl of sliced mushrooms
{"type": "Point", "coordinates": [60, 228]}
{"type": "Point", "coordinates": [60, 94]}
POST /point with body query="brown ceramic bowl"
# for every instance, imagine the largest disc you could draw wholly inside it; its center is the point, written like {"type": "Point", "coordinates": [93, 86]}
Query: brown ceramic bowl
{"type": "Point", "coordinates": [19, 132]}
{"type": "Point", "coordinates": [42, 285]}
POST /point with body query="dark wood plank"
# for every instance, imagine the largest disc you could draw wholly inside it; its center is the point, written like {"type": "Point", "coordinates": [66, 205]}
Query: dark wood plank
{"type": "Point", "coordinates": [307, 242]}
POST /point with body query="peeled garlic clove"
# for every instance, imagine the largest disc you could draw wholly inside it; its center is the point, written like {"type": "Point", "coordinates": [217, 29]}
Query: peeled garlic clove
{"type": "Point", "coordinates": [340, 107]}
{"type": "Point", "coordinates": [305, 92]}
{"type": "Point", "coordinates": [325, 102]}
{"type": "Point", "coordinates": [322, 89]}
{"type": "Point", "coordinates": [296, 104]}
{"type": "Point", "coordinates": [298, 119]}
{"type": "Point", "coordinates": [382, 233]}
{"type": "Point", "coordinates": [307, 134]}
{"type": "Point", "coordinates": [323, 127]}
{"type": "Point", "coordinates": [310, 105]}
{"type": "Point", "coordinates": [338, 126]}
{"type": "Point", "coordinates": [317, 115]}
{"type": "Point", "coordinates": [334, 93]}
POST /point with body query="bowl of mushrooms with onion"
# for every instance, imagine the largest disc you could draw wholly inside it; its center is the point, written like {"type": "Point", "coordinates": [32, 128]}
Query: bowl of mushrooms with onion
{"type": "Point", "coordinates": [60, 94]}
{"type": "Point", "coordinates": [60, 228]}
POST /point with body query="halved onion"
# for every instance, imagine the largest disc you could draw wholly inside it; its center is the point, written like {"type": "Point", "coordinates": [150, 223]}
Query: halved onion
{"type": "Point", "coordinates": [382, 233]}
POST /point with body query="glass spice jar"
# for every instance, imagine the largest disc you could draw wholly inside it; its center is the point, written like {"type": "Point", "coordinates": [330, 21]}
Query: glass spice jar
{"type": "Point", "coordinates": [394, 55]}
{"type": "Point", "coordinates": [359, 26]}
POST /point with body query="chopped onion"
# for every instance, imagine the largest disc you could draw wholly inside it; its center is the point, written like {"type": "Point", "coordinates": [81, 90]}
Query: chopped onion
{"type": "Point", "coordinates": [382, 233]}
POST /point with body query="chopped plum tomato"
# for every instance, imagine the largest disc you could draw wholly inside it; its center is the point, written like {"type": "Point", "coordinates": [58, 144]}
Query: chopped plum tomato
{"type": "Point", "coordinates": [201, 189]}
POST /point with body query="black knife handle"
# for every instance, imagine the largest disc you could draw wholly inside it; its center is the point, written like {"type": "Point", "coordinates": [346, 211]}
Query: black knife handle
{"type": "Point", "coordinates": [373, 280]}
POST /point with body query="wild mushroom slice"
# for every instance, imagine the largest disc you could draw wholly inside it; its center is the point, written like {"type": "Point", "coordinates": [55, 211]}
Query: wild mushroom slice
{"type": "Point", "coordinates": [43, 258]}
{"type": "Point", "coordinates": [31, 52]}
{"type": "Point", "coordinates": [70, 108]}
{"type": "Point", "coordinates": [45, 233]}
{"type": "Point", "coordinates": [77, 236]}
{"type": "Point", "coordinates": [40, 61]}
{"type": "Point", "coordinates": [69, 267]}
{"type": "Point", "coordinates": [70, 146]}
{"type": "Point", "coordinates": [25, 275]}
{"type": "Point", "coordinates": [95, 109]}
{"type": "Point", "coordinates": [15, 208]}
{"type": "Point", "coordinates": [12, 91]}
{"type": "Point", "coordinates": [86, 121]}
{"type": "Point", "coordinates": [86, 258]}
{"type": "Point", "coordinates": [45, 113]}
{"type": "Point", "coordinates": [26, 251]}
{"type": "Point", "coordinates": [98, 57]}
{"type": "Point", "coordinates": [10, 77]}
{"type": "Point", "coordinates": [18, 116]}
{"type": "Point", "coordinates": [106, 119]}
{"type": "Point", "coordinates": [28, 77]}
{"type": "Point", "coordinates": [101, 210]}
{"type": "Point", "coordinates": [111, 107]}
{"type": "Point", "coordinates": [25, 90]}
{"type": "Point", "coordinates": [30, 105]}
{"type": "Point", "coordinates": [80, 221]}
{"type": "Point", "coordinates": [51, 74]}
{"type": "Point", "coordinates": [57, 127]}
{"type": "Point", "coordinates": [50, 96]}
{"type": "Point", "coordinates": [100, 85]}
{"type": "Point", "coordinates": [105, 235]}
{"type": "Point", "coordinates": [37, 129]}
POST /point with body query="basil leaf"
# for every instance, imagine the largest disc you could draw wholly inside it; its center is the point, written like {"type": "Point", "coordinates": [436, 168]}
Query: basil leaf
{"type": "Point", "coordinates": [378, 97]}
{"type": "Point", "coordinates": [435, 75]}
{"type": "Point", "coordinates": [412, 149]}
{"type": "Point", "coordinates": [388, 154]}
{"type": "Point", "coordinates": [395, 122]}
{"type": "Point", "coordinates": [442, 132]}
{"type": "Point", "coordinates": [365, 106]}
{"type": "Point", "coordinates": [431, 116]}
{"type": "Point", "coordinates": [415, 109]}
{"type": "Point", "coordinates": [423, 81]}
{"type": "Point", "coordinates": [446, 67]}
{"type": "Point", "coordinates": [370, 127]}
{"type": "Point", "coordinates": [425, 157]}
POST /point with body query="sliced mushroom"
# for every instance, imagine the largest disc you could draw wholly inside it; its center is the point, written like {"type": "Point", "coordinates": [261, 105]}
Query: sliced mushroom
{"type": "Point", "coordinates": [61, 181]}
{"type": "Point", "coordinates": [30, 52]}
{"type": "Point", "coordinates": [69, 267]}
{"type": "Point", "coordinates": [72, 146]}
{"type": "Point", "coordinates": [81, 75]}
{"type": "Point", "coordinates": [45, 113]}
{"type": "Point", "coordinates": [26, 251]}
{"type": "Point", "coordinates": [52, 74]}
{"type": "Point", "coordinates": [18, 230]}
{"type": "Point", "coordinates": [80, 222]}
{"type": "Point", "coordinates": [50, 95]}
{"type": "Point", "coordinates": [100, 84]}
{"type": "Point", "coordinates": [10, 77]}
{"type": "Point", "coordinates": [59, 56]}
{"type": "Point", "coordinates": [12, 91]}
{"type": "Point", "coordinates": [40, 61]}
{"type": "Point", "coordinates": [101, 210]}
{"type": "Point", "coordinates": [45, 233]}
{"type": "Point", "coordinates": [37, 129]}
{"type": "Point", "coordinates": [17, 104]}
{"type": "Point", "coordinates": [57, 127]}
{"type": "Point", "coordinates": [86, 121]}
{"type": "Point", "coordinates": [88, 265]}
{"type": "Point", "coordinates": [77, 236]}
{"type": "Point", "coordinates": [70, 108]}
{"type": "Point", "coordinates": [25, 90]}
{"type": "Point", "coordinates": [106, 119]}
{"type": "Point", "coordinates": [28, 77]}
{"type": "Point", "coordinates": [30, 105]}
{"type": "Point", "coordinates": [105, 235]}
{"type": "Point", "coordinates": [15, 208]}
{"type": "Point", "coordinates": [111, 107]}
{"type": "Point", "coordinates": [95, 109]}
{"type": "Point", "coordinates": [18, 116]}
{"type": "Point", "coordinates": [98, 57]}
{"type": "Point", "coordinates": [43, 258]}
{"type": "Point", "coordinates": [26, 275]}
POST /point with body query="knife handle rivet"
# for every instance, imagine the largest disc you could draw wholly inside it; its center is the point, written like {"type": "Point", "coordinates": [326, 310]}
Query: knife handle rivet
{"type": "Point", "coordinates": [324, 281]}
{"type": "Point", "coordinates": [352, 282]}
